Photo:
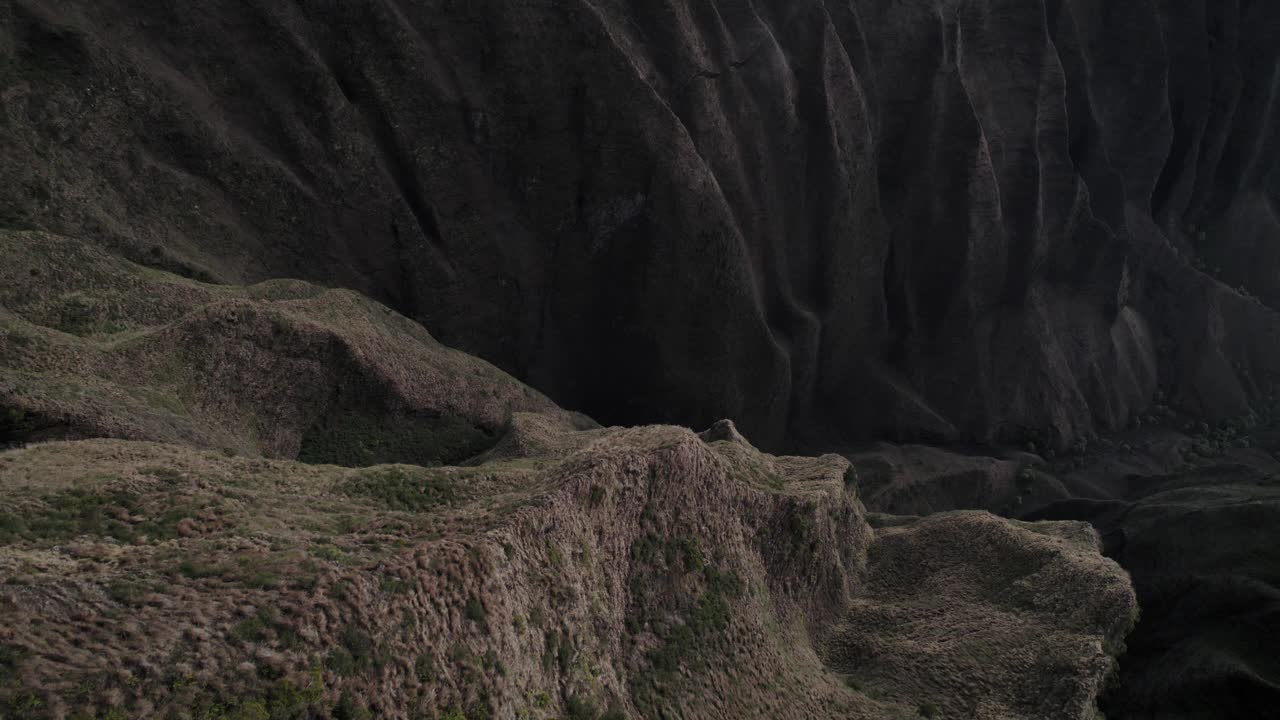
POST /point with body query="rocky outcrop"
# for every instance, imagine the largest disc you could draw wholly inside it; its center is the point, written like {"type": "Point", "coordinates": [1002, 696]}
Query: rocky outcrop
{"type": "Point", "coordinates": [929, 219]}
{"type": "Point", "coordinates": [919, 480]}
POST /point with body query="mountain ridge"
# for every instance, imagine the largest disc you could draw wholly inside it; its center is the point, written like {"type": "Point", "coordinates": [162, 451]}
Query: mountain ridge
{"type": "Point", "coordinates": [986, 220]}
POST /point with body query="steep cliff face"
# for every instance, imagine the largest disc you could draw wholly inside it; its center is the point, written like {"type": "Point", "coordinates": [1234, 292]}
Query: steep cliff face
{"type": "Point", "coordinates": [984, 219]}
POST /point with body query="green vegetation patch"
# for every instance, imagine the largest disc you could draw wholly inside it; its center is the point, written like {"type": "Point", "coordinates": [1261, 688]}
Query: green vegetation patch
{"type": "Point", "coordinates": [255, 628]}
{"type": "Point", "coordinates": [394, 585]}
{"type": "Point", "coordinates": [355, 439]}
{"type": "Point", "coordinates": [684, 551]}
{"type": "Point", "coordinates": [20, 706]}
{"type": "Point", "coordinates": [357, 653]}
{"type": "Point", "coordinates": [72, 513]}
{"type": "Point", "coordinates": [579, 707]}
{"type": "Point", "coordinates": [691, 644]}
{"type": "Point", "coordinates": [265, 700]}
{"type": "Point", "coordinates": [80, 314]}
{"type": "Point", "coordinates": [348, 709]}
{"type": "Point", "coordinates": [128, 592]}
{"type": "Point", "coordinates": [800, 522]}
{"type": "Point", "coordinates": [265, 571]}
{"type": "Point", "coordinates": [11, 659]}
{"type": "Point", "coordinates": [557, 651]}
{"type": "Point", "coordinates": [710, 616]}
{"type": "Point", "coordinates": [424, 668]}
{"type": "Point", "coordinates": [399, 488]}
{"type": "Point", "coordinates": [475, 612]}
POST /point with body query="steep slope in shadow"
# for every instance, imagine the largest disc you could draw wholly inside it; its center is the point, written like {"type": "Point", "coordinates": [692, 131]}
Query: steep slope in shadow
{"type": "Point", "coordinates": [1193, 519]}
{"type": "Point", "coordinates": [1189, 510]}
{"type": "Point", "coordinates": [921, 219]}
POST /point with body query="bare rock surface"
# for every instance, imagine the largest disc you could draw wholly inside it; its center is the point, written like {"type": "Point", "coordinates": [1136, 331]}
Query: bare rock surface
{"type": "Point", "coordinates": [919, 480]}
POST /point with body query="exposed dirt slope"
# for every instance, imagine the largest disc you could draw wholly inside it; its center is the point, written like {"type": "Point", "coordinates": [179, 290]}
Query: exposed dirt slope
{"type": "Point", "coordinates": [925, 218]}
{"type": "Point", "coordinates": [92, 345]}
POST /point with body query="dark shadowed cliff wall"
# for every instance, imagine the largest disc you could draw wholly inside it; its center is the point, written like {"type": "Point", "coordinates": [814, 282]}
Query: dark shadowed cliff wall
{"type": "Point", "coordinates": [978, 220]}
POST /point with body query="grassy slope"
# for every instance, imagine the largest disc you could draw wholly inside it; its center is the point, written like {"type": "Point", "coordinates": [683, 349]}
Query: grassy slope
{"type": "Point", "coordinates": [91, 345]}
{"type": "Point", "coordinates": [566, 570]}
{"type": "Point", "coordinates": [643, 570]}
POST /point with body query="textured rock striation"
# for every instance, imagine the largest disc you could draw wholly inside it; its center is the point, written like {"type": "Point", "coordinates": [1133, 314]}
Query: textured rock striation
{"type": "Point", "coordinates": [981, 220]}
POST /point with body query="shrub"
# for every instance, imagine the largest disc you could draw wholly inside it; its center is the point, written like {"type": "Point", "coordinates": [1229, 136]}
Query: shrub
{"type": "Point", "coordinates": [195, 571]}
{"type": "Point", "coordinates": [474, 612]}
{"type": "Point", "coordinates": [395, 585]}
{"type": "Point", "coordinates": [11, 659]}
{"type": "Point", "coordinates": [356, 653]}
{"type": "Point", "coordinates": [328, 552]}
{"type": "Point", "coordinates": [580, 708]}
{"type": "Point", "coordinates": [126, 592]}
{"type": "Point", "coordinates": [347, 709]}
{"type": "Point", "coordinates": [253, 629]}
{"type": "Point", "coordinates": [424, 668]}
